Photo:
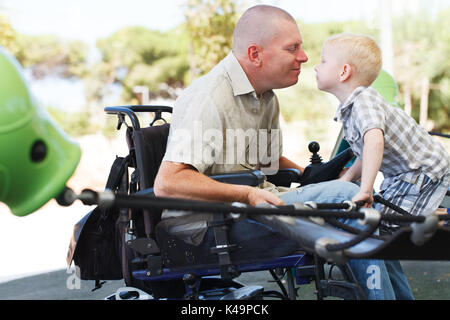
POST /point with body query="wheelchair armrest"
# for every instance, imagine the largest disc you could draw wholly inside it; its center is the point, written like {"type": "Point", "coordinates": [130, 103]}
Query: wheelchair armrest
{"type": "Point", "coordinates": [284, 177]}
{"type": "Point", "coordinates": [146, 192]}
{"type": "Point", "coordinates": [250, 178]}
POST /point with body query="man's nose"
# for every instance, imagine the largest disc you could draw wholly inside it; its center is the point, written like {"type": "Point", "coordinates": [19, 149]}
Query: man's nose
{"type": "Point", "coordinates": [302, 57]}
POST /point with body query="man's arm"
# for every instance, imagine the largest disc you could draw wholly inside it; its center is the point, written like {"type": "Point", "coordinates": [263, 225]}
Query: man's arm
{"type": "Point", "coordinates": [285, 163]}
{"type": "Point", "coordinates": [180, 180]}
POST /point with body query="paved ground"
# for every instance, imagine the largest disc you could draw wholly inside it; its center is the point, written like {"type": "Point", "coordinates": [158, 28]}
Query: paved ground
{"type": "Point", "coordinates": [429, 280]}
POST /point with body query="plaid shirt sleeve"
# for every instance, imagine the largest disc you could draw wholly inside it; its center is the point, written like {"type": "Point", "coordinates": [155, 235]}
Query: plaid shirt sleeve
{"type": "Point", "coordinates": [369, 113]}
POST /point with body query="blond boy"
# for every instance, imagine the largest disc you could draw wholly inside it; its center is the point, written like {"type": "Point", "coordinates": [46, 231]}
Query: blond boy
{"type": "Point", "coordinates": [384, 138]}
{"type": "Point", "coordinates": [415, 166]}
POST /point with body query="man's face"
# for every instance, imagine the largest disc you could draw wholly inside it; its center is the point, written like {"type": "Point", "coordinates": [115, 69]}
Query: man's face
{"type": "Point", "coordinates": [328, 70]}
{"type": "Point", "coordinates": [283, 56]}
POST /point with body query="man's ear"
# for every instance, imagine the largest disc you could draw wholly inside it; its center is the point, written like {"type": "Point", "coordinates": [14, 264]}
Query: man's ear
{"type": "Point", "coordinates": [254, 53]}
{"type": "Point", "coordinates": [346, 72]}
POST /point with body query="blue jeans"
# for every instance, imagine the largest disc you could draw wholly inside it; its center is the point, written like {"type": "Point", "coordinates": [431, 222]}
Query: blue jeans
{"type": "Point", "coordinates": [380, 280]}
{"type": "Point", "coordinates": [398, 279]}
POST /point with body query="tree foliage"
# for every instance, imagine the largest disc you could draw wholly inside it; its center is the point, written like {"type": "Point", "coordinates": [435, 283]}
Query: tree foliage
{"type": "Point", "coordinates": [210, 24]}
{"type": "Point", "coordinates": [7, 34]}
{"type": "Point", "coordinates": [49, 55]}
{"type": "Point", "coordinates": [137, 56]}
{"type": "Point", "coordinates": [45, 54]}
{"type": "Point", "coordinates": [422, 51]}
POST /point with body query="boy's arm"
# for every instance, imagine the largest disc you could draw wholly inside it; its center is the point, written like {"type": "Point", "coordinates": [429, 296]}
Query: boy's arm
{"type": "Point", "coordinates": [371, 161]}
{"type": "Point", "coordinates": [353, 173]}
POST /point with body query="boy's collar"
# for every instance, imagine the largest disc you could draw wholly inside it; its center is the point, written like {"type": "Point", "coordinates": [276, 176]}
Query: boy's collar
{"type": "Point", "coordinates": [348, 102]}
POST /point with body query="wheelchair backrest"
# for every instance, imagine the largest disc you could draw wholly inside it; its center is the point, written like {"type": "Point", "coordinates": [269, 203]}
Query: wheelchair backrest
{"type": "Point", "coordinates": [147, 147]}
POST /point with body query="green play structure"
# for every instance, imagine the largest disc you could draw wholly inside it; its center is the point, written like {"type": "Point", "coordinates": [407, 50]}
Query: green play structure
{"type": "Point", "coordinates": [36, 157]}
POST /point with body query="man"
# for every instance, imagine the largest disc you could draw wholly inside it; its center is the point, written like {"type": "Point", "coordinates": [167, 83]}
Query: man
{"type": "Point", "coordinates": [267, 66]}
{"type": "Point", "coordinates": [237, 97]}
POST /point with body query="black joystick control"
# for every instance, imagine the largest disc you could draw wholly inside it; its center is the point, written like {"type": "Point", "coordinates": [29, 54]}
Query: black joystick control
{"type": "Point", "coordinates": [319, 171]}
{"type": "Point", "coordinates": [314, 148]}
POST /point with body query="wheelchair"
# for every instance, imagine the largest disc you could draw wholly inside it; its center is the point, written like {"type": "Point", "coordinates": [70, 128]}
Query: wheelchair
{"type": "Point", "coordinates": [159, 264]}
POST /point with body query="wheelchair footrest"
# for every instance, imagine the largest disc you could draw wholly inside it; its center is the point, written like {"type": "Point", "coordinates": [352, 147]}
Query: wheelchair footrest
{"type": "Point", "coordinates": [305, 274]}
{"type": "Point", "coordinates": [154, 266]}
{"type": "Point", "coordinates": [245, 293]}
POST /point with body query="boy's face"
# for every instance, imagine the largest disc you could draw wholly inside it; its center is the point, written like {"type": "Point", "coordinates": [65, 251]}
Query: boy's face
{"type": "Point", "coordinates": [329, 69]}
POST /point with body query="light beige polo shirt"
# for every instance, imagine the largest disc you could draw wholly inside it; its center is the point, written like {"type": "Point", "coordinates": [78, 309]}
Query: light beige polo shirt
{"type": "Point", "coordinates": [215, 119]}
{"type": "Point", "coordinates": [219, 124]}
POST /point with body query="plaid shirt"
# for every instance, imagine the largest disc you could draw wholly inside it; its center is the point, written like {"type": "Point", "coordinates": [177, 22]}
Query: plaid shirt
{"type": "Point", "coordinates": [408, 148]}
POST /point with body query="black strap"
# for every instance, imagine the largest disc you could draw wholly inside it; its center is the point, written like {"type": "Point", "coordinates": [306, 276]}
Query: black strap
{"type": "Point", "coordinates": [118, 180]}
{"type": "Point", "coordinates": [116, 172]}
{"type": "Point", "coordinates": [223, 247]}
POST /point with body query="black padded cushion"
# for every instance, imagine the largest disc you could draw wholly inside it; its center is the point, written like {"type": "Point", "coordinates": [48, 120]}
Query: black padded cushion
{"type": "Point", "coordinates": [152, 150]}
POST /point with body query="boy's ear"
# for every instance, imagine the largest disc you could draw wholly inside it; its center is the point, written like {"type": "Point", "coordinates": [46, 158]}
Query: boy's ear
{"type": "Point", "coordinates": [346, 72]}
{"type": "Point", "coordinates": [254, 53]}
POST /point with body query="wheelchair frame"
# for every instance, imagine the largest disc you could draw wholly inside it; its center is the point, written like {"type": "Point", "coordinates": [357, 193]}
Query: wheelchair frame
{"type": "Point", "coordinates": [147, 267]}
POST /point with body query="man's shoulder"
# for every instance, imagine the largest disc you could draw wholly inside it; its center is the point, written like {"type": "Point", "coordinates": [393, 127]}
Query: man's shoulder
{"type": "Point", "coordinates": [214, 85]}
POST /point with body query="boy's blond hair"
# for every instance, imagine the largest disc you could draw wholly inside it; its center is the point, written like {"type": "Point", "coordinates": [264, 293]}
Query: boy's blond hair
{"type": "Point", "coordinates": [361, 52]}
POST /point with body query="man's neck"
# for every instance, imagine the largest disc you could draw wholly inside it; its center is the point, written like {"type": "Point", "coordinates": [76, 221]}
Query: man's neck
{"type": "Point", "coordinates": [251, 76]}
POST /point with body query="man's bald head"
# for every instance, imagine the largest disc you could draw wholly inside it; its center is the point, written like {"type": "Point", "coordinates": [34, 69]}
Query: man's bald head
{"type": "Point", "coordinates": [258, 25]}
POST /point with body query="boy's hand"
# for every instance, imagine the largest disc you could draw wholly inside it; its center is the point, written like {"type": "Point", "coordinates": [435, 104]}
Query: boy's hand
{"type": "Point", "coordinates": [365, 197]}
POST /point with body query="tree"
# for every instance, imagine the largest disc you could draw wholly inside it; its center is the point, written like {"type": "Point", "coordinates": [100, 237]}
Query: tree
{"type": "Point", "coordinates": [48, 55]}
{"type": "Point", "coordinates": [44, 54]}
{"type": "Point", "coordinates": [210, 24]}
{"type": "Point", "coordinates": [137, 56]}
{"type": "Point", "coordinates": [422, 54]}
{"type": "Point", "coordinates": [7, 35]}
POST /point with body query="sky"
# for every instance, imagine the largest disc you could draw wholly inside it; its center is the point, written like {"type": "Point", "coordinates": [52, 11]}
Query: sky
{"type": "Point", "coordinates": [90, 19]}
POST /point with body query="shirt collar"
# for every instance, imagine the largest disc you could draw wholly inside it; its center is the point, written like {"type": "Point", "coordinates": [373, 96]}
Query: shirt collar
{"type": "Point", "coordinates": [239, 81]}
{"type": "Point", "coordinates": [348, 104]}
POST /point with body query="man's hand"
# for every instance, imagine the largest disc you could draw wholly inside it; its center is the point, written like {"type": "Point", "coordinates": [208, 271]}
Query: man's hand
{"type": "Point", "coordinates": [258, 196]}
{"type": "Point", "coordinates": [364, 197]}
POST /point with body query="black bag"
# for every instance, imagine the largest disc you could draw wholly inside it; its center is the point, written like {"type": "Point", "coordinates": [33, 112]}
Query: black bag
{"type": "Point", "coordinates": [96, 246]}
